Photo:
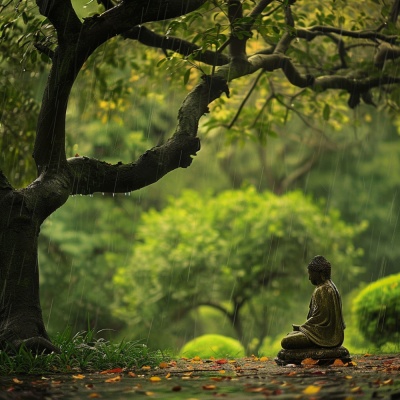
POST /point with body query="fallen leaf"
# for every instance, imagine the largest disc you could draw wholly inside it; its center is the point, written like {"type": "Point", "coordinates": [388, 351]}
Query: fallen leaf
{"type": "Point", "coordinates": [163, 365]}
{"type": "Point", "coordinates": [263, 359]}
{"type": "Point", "coordinates": [146, 368]}
{"type": "Point", "coordinates": [155, 379]}
{"type": "Point", "coordinates": [312, 389]}
{"type": "Point", "coordinates": [112, 371]}
{"type": "Point", "coordinates": [17, 381]}
{"type": "Point", "coordinates": [309, 361]}
{"type": "Point", "coordinates": [221, 361]}
{"type": "Point", "coordinates": [367, 355]}
{"type": "Point", "coordinates": [131, 374]}
{"type": "Point", "coordinates": [221, 371]}
{"type": "Point", "coordinates": [209, 387]}
{"type": "Point", "coordinates": [196, 358]}
{"type": "Point", "coordinates": [388, 382]}
{"type": "Point", "coordinates": [167, 376]}
{"type": "Point", "coordinates": [94, 396]}
{"type": "Point", "coordinates": [79, 376]}
{"type": "Point", "coordinates": [348, 377]}
{"type": "Point", "coordinates": [113, 380]}
{"type": "Point", "coordinates": [338, 363]}
{"type": "Point", "coordinates": [149, 393]}
{"type": "Point", "coordinates": [356, 389]}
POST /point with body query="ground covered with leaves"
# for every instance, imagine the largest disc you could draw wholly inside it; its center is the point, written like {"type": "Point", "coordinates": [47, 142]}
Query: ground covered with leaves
{"type": "Point", "coordinates": [366, 377]}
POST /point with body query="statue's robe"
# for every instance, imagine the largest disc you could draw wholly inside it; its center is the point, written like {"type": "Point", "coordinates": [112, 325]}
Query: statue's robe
{"type": "Point", "coordinates": [325, 325]}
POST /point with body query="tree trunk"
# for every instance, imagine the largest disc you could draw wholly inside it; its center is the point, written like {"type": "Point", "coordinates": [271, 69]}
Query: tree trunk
{"type": "Point", "coordinates": [21, 321]}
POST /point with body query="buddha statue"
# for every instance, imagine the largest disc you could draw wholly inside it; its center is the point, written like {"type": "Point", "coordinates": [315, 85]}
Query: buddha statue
{"type": "Point", "coordinates": [322, 335]}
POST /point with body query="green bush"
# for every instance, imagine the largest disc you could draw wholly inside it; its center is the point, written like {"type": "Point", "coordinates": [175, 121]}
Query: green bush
{"type": "Point", "coordinates": [377, 310]}
{"type": "Point", "coordinates": [217, 346]}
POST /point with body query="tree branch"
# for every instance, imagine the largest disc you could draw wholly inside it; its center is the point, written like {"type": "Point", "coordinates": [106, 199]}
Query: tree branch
{"type": "Point", "coordinates": [62, 15]}
{"type": "Point", "coordinates": [128, 14]}
{"type": "Point", "coordinates": [180, 46]}
{"type": "Point", "coordinates": [4, 183]}
{"type": "Point", "coordinates": [92, 175]}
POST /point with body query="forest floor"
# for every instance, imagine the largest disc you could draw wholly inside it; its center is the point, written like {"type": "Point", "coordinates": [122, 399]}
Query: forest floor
{"type": "Point", "coordinates": [366, 377]}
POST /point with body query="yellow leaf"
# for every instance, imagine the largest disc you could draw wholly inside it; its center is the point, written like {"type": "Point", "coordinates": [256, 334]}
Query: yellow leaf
{"type": "Point", "coordinates": [356, 389]}
{"type": "Point", "coordinates": [149, 393]}
{"type": "Point", "coordinates": [167, 376]}
{"type": "Point", "coordinates": [263, 359]}
{"type": "Point", "coordinates": [155, 379]}
{"type": "Point", "coordinates": [196, 358]}
{"type": "Point", "coordinates": [113, 380]}
{"type": "Point", "coordinates": [312, 389]}
{"type": "Point", "coordinates": [146, 368]}
{"type": "Point", "coordinates": [388, 382]}
{"type": "Point", "coordinates": [17, 381]}
{"type": "Point", "coordinates": [163, 364]}
{"type": "Point", "coordinates": [221, 371]}
{"type": "Point", "coordinates": [79, 376]}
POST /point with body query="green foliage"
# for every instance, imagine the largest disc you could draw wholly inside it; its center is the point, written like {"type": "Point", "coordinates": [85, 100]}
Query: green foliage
{"type": "Point", "coordinates": [377, 310]}
{"type": "Point", "coordinates": [237, 249]}
{"type": "Point", "coordinates": [84, 351]}
{"type": "Point", "coordinates": [217, 346]}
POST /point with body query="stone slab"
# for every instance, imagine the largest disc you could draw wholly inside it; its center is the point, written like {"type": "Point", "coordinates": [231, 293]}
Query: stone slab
{"type": "Point", "coordinates": [325, 356]}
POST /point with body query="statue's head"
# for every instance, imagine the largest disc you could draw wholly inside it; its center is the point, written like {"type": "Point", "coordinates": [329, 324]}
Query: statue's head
{"type": "Point", "coordinates": [319, 270]}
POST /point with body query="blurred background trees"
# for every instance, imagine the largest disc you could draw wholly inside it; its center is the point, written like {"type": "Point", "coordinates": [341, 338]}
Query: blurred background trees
{"type": "Point", "coordinates": [153, 258]}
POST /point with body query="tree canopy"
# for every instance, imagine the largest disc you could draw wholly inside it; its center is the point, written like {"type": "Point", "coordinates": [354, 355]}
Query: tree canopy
{"type": "Point", "coordinates": [238, 253]}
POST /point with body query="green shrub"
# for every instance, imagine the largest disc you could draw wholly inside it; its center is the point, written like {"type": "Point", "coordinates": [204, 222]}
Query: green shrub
{"type": "Point", "coordinates": [217, 346]}
{"type": "Point", "coordinates": [377, 310]}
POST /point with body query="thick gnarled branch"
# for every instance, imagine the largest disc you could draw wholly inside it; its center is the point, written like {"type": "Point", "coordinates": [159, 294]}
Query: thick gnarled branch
{"type": "Point", "coordinates": [90, 175]}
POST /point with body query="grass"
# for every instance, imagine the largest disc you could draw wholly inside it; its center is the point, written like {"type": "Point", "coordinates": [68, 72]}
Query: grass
{"type": "Point", "coordinates": [79, 353]}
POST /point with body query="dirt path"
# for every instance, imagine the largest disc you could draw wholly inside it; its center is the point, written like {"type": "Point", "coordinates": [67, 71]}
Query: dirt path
{"type": "Point", "coordinates": [367, 377]}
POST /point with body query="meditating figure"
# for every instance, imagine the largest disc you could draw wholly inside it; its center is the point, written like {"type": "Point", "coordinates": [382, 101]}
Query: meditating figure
{"type": "Point", "coordinates": [325, 325]}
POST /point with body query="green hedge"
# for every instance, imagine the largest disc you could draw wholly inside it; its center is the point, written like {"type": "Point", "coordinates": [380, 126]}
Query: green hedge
{"type": "Point", "coordinates": [217, 346]}
{"type": "Point", "coordinates": [377, 310]}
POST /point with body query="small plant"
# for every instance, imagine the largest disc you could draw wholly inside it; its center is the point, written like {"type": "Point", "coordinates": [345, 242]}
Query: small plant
{"type": "Point", "coordinates": [217, 346]}
{"type": "Point", "coordinates": [377, 311]}
{"type": "Point", "coordinates": [81, 352]}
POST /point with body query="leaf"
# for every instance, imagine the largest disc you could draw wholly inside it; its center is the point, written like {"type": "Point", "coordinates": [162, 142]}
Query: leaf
{"type": "Point", "coordinates": [112, 371]}
{"type": "Point", "coordinates": [186, 76]}
{"type": "Point", "coordinates": [263, 359]}
{"type": "Point", "coordinates": [155, 379]}
{"type": "Point", "coordinates": [338, 363]}
{"type": "Point", "coordinates": [94, 396]}
{"type": "Point", "coordinates": [146, 368]}
{"type": "Point", "coordinates": [309, 361]}
{"type": "Point", "coordinates": [163, 364]}
{"type": "Point", "coordinates": [209, 387]}
{"type": "Point", "coordinates": [312, 389]}
{"type": "Point", "coordinates": [79, 376]}
{"type": "Point", "coordinates": [113, 380]}
{"type": "Point", "coordinates": [17, 381]}
{"type": "Point", "coordinates": [221, 361]}
{"type": "Point", "coordinates": [326, 112]}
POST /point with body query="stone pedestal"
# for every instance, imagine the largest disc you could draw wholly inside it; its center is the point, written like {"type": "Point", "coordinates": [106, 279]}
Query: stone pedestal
{"type": "Point", "coordinates": [325, 356]}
